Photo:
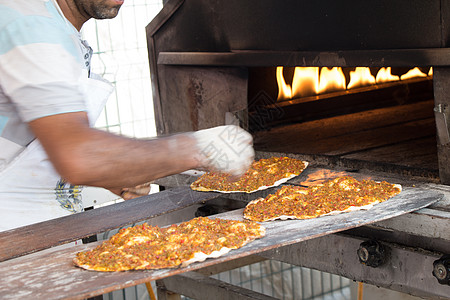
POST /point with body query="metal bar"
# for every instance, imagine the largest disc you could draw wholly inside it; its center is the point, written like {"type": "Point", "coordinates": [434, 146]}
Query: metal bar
{"type": "Point", "coordinates": [32, 238]}
{"type": "Point", "coordinates": [230, 265]}
{"type": "Point", "coordinates": [408, 270]}
{"type": "Point", "coordinates": [441, 81]}
{"type": "Point", "coordinates": [346, 58]}
{"type": "Point", "coordinates": [432, 224]}
{"type": "Point", "coordinates": [198, 286]}
{"type": "Point", "coordinates": [159, 20]}
{"type": "Point", "coordinates": [326, 25]}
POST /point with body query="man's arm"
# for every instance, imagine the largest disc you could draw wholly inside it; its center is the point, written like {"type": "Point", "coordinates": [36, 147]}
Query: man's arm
{"type": "Point", "coordinates": [88, 156]}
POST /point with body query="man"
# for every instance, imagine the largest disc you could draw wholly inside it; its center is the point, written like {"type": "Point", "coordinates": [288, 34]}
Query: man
{"type": "Point", "coordinates": [49, 101]}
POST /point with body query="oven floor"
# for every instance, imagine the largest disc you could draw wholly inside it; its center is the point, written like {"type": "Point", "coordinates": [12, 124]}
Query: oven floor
{"type": "Point", "coordinates": [401, 138]}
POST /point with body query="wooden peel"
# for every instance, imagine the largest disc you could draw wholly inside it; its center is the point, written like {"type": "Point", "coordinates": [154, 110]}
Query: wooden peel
{"type": "Point", "coordinates": [150, 291]}
{"type": "Point", "coordinates": [360, 290]}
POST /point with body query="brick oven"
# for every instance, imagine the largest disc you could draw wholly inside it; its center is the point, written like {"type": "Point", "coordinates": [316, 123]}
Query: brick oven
{"type": "Point", "coordinates": [216, 62]}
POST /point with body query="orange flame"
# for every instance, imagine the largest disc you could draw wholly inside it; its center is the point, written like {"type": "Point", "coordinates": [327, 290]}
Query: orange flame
{"type": "Point", "coordinates": [384, 75]}
{"type": "Point", "coordinates": [361, 76]}
{"type": "Point", "coordinates": [331, 80]}
{"type": "Point", "coordinates": [309, 81]}
{"type": "Point", "coordinates": [284, 90]}
{"type": "Point", "coordinates": [413, 73]}
{"type": "Point", "coordinates": [305, 81]}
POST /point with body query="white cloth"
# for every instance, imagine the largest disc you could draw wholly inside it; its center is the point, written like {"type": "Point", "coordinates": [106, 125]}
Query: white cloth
{"type": "Point", "coordinates": [32, 191]}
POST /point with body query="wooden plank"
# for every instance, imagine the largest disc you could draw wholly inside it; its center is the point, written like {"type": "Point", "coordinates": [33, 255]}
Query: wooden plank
{"type": "Point", "coordinates": [50, 274]}
{"type": "Point", "coordinates": [360, 140]}
{"type": "Point", "coordinates": [352, 133]}
{"type": "Point", "coordinates": [418, 153]}
{"type": "Point", "coordinates": [58, 231]}
{"type": "Point", "coordinates": [369, 140]}
{"type": "Point", "coordinates": [288, 138]}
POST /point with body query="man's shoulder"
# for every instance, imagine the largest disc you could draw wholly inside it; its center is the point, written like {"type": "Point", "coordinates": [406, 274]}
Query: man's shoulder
{"type": "Point", "coordinates": [28, 22]}
{"type": "Point", "coordinates": [20, 14]}
{"type": "Point", "coordinates": [26, 7]}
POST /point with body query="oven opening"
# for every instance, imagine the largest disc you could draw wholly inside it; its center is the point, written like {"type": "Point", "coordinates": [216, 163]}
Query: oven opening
{"type": "Point", "coordinates": [360, 117]}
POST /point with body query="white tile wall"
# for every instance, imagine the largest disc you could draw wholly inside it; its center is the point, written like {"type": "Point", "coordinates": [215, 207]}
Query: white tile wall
{"type": "Point", "coordinates": [120, 56]}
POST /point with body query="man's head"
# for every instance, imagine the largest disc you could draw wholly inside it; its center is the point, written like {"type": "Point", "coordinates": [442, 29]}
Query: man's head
{"type": "Point", "coordinates": [99, 9]}
{"type": "Point", "coordinates": [79, 11]}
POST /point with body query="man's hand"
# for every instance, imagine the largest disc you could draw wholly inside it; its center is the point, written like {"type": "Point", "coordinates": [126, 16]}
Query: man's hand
{"type": "Point", "coordinates": [227, 149]}
{"type": "Point", "coordinates": [137, 191]}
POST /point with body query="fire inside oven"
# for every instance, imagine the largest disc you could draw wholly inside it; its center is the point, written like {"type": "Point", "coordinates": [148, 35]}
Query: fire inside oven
{"type": "Point", "coordinates": [371, 117]}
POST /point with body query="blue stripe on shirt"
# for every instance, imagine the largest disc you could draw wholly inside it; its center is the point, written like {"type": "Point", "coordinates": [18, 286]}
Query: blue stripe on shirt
{"type": "Point", "coordinates": [3, 121]}
{"type": "Point", "coordinates": [17, 29]}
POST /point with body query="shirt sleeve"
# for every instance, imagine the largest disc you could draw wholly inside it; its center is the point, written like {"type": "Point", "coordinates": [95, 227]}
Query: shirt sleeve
{"type": "Point", "coordinates": [40, 68]}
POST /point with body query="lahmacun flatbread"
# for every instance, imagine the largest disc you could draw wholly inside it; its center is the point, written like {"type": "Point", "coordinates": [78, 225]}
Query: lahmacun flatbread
{"type": "Point", "coordinates": [262, 174]}
{"type": "Point", "coordinates": [144, 247]}
{"type": "Point", "coordinates": [339, 195]}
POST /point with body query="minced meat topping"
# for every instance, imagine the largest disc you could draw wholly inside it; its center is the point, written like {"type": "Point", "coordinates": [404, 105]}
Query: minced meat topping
{"type": "Point", "coordinates": [262, 173]}
{"type": "Point", "coordinates": [152, 247]}
{"type": "Point", "coordinates": [335, 195]}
